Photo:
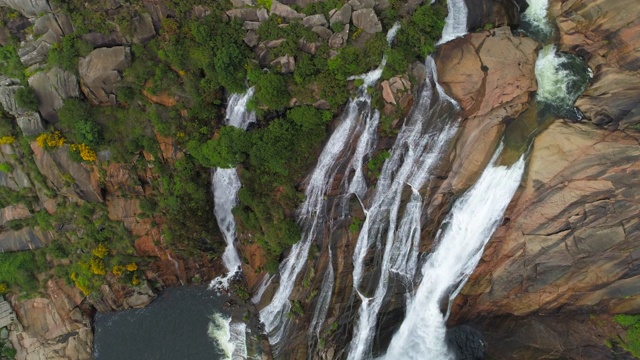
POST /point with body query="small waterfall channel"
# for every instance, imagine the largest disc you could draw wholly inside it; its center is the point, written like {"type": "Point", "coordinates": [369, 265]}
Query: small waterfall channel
{"type": "Point", "coordinates": [230, 335]}
{"type": "Point", "coordinates": [358, 121]}
{"type": "Point", "coordinates": [225, 185]}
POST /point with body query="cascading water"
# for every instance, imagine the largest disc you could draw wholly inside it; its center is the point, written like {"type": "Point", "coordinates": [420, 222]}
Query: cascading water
{"type": "Point", "coordinates": [561, 79]}
{"type": "Point", "coordinates": [225, 185]}
{"type": "Point", "coordinates": [417, 150]}
{"type": "Point", "coordinates": [311, 215]}
{"type": "Point", "coordinates": [456, 22]}
{"type": "Point", "coordinates": [536, 16]}
{"type": "Point", "coordinates": [468, 227]}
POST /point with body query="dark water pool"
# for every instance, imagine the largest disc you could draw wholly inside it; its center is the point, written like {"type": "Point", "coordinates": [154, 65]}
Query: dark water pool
{"type": "Point", "coordinates": [173, 327]}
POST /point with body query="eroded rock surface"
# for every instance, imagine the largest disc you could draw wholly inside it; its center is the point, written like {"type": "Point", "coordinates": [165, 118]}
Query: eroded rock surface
{"type": "Point", "coordinates": [100, 71]}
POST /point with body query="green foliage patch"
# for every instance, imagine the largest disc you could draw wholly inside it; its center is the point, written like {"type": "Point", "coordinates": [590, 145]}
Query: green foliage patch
{"type": "Point", "coordinates": [632, 338]}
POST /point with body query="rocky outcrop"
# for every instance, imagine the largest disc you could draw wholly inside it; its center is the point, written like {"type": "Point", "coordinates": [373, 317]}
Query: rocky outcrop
{"type": "Point", "coordinates": [607, 34]}
{"type": "Point", "coordinates": [100, 71]}
{"type": "Point", "coordinates": [284, 11]}
{"type": "Point", "coordinates": [494, 12]}
{"type": "Point", "coordinates": [367, 20]}
{"type": "Point", "coordinates": [491, 75]}
{"type": "Point", "coordinates": [52, 87]}
{"type": "Point", "coordinates": [572, 235]}
{"type": "Point", "coordinates": [53, 327]}
{"type": "Point", "coordinates": [69, 178]}
{"type": "Point", "coordinates": [24, 239]}
{"type": "Point", "coordinates": [29, 121]}
{"type": "Point", "coordinates": [342, 16]}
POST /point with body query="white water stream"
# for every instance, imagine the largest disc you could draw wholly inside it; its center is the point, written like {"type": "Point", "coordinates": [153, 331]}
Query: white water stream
{"type": "Point", "coordinates": [225, 183]}
{"type": "Point", "coordinates": [456, 22]}
{"type": "Point", "coordinates": [312, 213]}
{"type": "Point", "coordinates": [468, 227]}
{"type": "Point", "coordinates": [395, 233]}
{"type": "Point", "coordinates": [536, 15]}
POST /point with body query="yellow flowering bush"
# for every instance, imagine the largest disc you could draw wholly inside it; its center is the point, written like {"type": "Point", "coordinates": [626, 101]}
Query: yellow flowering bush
{"type": "Point", "coordinates": [131, 267]}
{"type": "Point", "coordinates": [86, 153]}
{"type": "Point", "coordinates": [50, 140]}
{"type": "Point", "coordinates": [101, 251]}
{"type": "Point", "coordinates": [118, 270]}
{"type": "Point", "coordinates": [3, 288]}
{"type": "Point", "coordinates": [135, 280]}
{"type": "Point", "coordinates": [97, 266]}
{"type": "Point", "coordinates": [7, 140]}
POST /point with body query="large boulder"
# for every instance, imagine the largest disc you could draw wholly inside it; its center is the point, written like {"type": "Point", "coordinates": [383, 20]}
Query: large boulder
{"type": "Point", "coordinates": [607, 35]}
{"type": "Point", "coordinates": [314, 20]}
{"type": "Point", "coordinates": [24, 239]}
{"type": "Point", "coordinates": [28, 8]}
{"type": "Point", "coordinates": [339, 39]}
{"type": "Point", "coordinates": [100, 72]}
{"type": "Point", "coordinates": [246, 14]}
{"type": "Point", "coordinates": [494, 12]}
{"type": "Point", "coordinates": [52, 87]}
{"type": "Point", "coordinates": [342, 16]}
{"type": "Point", "coordinates": [367, 20]}
{"type": "Point", "coordinates": [284, 11]}
{"type": "Point", "coordinates": [491, 75]}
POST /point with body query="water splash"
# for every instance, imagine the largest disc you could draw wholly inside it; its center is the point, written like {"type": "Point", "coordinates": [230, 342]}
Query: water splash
{"type": "Point", "coordinates": [225, 185]}
{"type": "Point", "coordinates": [536, 15]}
{"type": "Point", "coordinates": [468, 227]}
{"type": "Point", "coordinates": [557, 84]}
{"type": "Point", "coordinates": [229, 336]}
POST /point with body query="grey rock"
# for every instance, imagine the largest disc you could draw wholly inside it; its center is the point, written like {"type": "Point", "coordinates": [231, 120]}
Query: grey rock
{"type": "Point", "coordinates": [274, 43]}
{"type": "Point", "coordinates": [382, 5]}
{"type": "Point", "coordinates": [105, 40]}
{"type": "Point", "coordinates": [342, 16]}
{"type": "Point", "coordinates": [52, 87]}
{"type": "Point", "coordinates": [251, 38]}
{"type": "Point", "coordinates": [4, 333]}
{"type": "Point", "coordinates": [286, 64]}
{"type": "Point", "coordinates": [30, 123]}
{"type": "Point", "coordinates": [314, 20]}
{"type": "Point", "coordinates": [242, 3]}
{"type": "Point", "coordinates": [323, 32]}
{"type": "Point", "coordinates": [143, 29]}
{"type": "Point", "coordinates": [251, 25]}
{"type": "Point", "coordinates": [367, 20]}
{"type": "Point", "coordinates": [201, 12]}
{"type": "Point", "coordinates": [339, 40]}
{"type": "Point", "coordinates": [308, 47]}
{"type": "Point", "coordinates": [100, 71]}
{"type": "Point", "coordinates": [362, 4]}
{"type": "Point", "coordinates": [23, 239]}
{"type": "Point", "coordinates": [58, 23]}
{"type": "Point", "coordinates": [244, 14]}
{"type": "Point", "coordinates": [28, 8]}
{"type": "Point", "coordinates": [263, 15]}
{"type": "Point", "coordinates": [8, 88]}
{"type": "Point", "coordinates": [34, 51]}
{"type": "Point", "coordinates": [284, 11]}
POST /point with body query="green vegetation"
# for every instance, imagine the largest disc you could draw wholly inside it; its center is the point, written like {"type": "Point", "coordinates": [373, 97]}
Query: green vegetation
{"type": "Point", "coordinates": [75, 116]}
{"type": "Point", "coordinates": [374, 166]}
{"type": "Point", "coordinates": [66, 53]}
{"type": "Point", "coordinates": [26, 98]}
{"type": "Point", "coordinates": [631, 342]}
{"type": "Point", "coordinates": [19, 270]}
{"type": "Point", "coordinates": [10, 64]}
{"type": "Point", "coordinates": [355, 226]}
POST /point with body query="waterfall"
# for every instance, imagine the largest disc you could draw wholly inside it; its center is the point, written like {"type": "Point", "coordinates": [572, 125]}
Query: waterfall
{"type": "Point", "coordinates": [417, 150]}
{"type": "Point", "coordinates": [225, 185]}
{"type": "Point", "coordinates": [536, 15]}
{"type": "Point", "coordinates": [229, 336]}
{"type": "Point", "coordinates": [456, 22]}
{"type": "Point", "coordinates": [311, 214]}
{"type": "Point", "coordinates": [468, 227]}
{"type": "Point", "coordinates": [561, 77]}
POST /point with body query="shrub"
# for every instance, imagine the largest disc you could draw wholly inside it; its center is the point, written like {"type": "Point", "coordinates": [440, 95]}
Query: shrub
{"type": "Point", "coordinates": [271, 90]}
{"type": "Point", "coordinates": [75, 116]}
{"type": "Point", "coordinates": [50, 140]}
{"type": "Point", "coordinates": [7, 140]}
{"type": "Point", "coordinates": [6, 168]}
{"type": "Point", "coordinates": [27, 99]}
{"type": "Point", "coordinates": [10, 64]}
{"type": "Point", "coordinates": [632, 338]}
{"type": "Point", "coordinates": [84, 151]}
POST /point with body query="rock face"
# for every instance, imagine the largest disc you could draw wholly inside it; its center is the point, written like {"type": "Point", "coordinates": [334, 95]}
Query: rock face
{"type": "Point", "coordinates": [52, 87]}
{"type": "Point", "coordinates": [367, 20]}
{"type": "Point", "coordinates": [53, 327]}
{"type": "Point", "coordinates": [491, 75]}
{"type": "Point", "coordinates": [494, 12]}
{"type": "Point", "coordinates": [29, 122]}
{"type": "Point", "coordinates": [284, 11]}
{"type": "Point", "coordinates": [573, 235]}
{"type": "Point", "coordinates": [100, 71]}
{"type": "Point", "coordinates": [607, 34]}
